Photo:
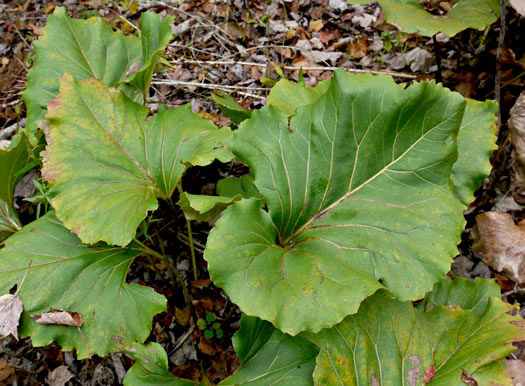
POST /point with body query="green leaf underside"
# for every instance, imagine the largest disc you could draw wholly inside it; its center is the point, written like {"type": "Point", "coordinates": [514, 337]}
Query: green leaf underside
{"type": "Point", "coordinates": [476, 143]}
{"type": "Point", "coordinates": [53, 269]}
{"type": "Point", "coordinates": [107, 164]}
{"type": "Point", "coordinates": [357, 188]}
{"type": "Point", "coordinates": [231, 109]}
{"type": "Point", "coordinates": [269, 357]}
{"type": "Point", "coordinates": [9, 222]}
{"type": "Point", "coordinates": [232, 186]}
{"type": "Point", "coordinates": [204, 208]}
{"type": "Point", "coordinates": [91, 49]}
{"type": "Point", "coordinates": [410, 15]}
{"type": "Point", "coordinates": [395, 343]}
{"type": "Point", "coordinates": [151, 367]}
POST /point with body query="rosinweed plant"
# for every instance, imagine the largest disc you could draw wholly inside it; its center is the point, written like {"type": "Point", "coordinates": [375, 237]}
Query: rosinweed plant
{"type": "Point", "coordinates": [350, 213]}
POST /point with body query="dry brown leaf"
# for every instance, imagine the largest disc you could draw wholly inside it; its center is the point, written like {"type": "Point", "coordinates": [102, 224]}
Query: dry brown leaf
{"type": "Point", "coordinates": [519, 6]}
{"type": "Point", "coordinates": [516, 371]}
{"type": "Point", "coordinates": [5, 370]}
{"type": "Point", "coordinates": [502, 242]}
{"type": "Point", "coordinates": [11, 308]}
{"type": "Point", "coordinates": [59, 376]}
{"type": "Point", "coordinates": [183, 316]}
{"type": "Point", "coordinates": [59, 318]}
{"type": "Point", "coordinates": [315, 25]}
{"type": "Point", "coordinates": [517, 131]}
{"type": "Point", "coordinates": [359, 49]}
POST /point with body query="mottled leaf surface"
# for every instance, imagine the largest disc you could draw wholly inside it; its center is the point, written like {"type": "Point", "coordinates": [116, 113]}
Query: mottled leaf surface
{"type": "Point", "coordinates": [411, 16]}
{"type": "Point", "coordinates": [151, 367]}
{"type": "Point", "coordinates": [204, 208]}
{"type": "Point", "coordinates": [476, 143]}
{"type": "Point", "coordinates": [53, 269]}
{"type": "Point", "coordinates": [270, 357]}
{"type": "Point", "coordinates": [392, 342]}
{"type": "Point", "coordinates": [358, 195]}
{"type": "Point", "coordinates": [108, 164]}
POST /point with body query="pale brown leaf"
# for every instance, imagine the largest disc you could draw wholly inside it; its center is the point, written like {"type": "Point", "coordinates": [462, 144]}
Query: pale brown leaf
{"type": "Point", "coordinates": [502, 242]}
{"type": "Point", "coordinates": [59, 376]}
{"type": "Point", "coordinates": [5, 370]}
{"type": "Point", "coordinates": [59, 318]}
{"type": "Point", "coordinates": [516, 371]}
{"type": "Point", "coordinates": [517, 132]}
{"type": "Point", "coordinates": [11, 308]}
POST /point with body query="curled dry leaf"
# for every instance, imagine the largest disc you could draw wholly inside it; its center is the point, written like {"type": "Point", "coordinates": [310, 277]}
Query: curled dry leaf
{"type": "Point", "coordinates": [11, 308]}
{"type": "Point", "coordinates": [502, 242]}
{"type": "Point", "coordinates": [59, 318]}
{"type": "Point", "coordinates": [517, 131]}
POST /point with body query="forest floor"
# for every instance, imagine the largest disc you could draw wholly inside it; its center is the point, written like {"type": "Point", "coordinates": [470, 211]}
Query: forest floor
{"type": "Point", "coordinates": [237, 47]}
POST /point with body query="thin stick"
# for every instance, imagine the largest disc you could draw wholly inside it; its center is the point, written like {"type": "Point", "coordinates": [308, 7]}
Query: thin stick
{"type": "Point", "coordinates": [190, 239]}
{"type": "Point", "coordinates": [207, 85]}
{"type": "Point", "coordinates": [501, 40]}
{"type": "Point", "coordinates": [293, 68]}
{"type": "Point", "coordinates": [13, 103]}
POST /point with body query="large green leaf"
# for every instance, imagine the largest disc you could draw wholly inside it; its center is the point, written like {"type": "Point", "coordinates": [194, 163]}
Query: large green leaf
{"type": "Point", "coordinates": [476, 143]}
{"type": "Point", "coordinates": [107, 163]}
{"type": "Point", "coordinates": [269, 357]}
{"type": "Point", "coordinates": [357, 187]}
{"type": "Point", "coordinates": [151, 367]}
{"type": "Point", "coordinates": [288, 96]}
{"type": "Point", "coordinates": [411, 16]}
{"type": "Point", "coordinates": [91, 49]}
{"type": "Point", "coordinates": [53, 269]}
{"type": "Point", "coordinates": [391, 342]}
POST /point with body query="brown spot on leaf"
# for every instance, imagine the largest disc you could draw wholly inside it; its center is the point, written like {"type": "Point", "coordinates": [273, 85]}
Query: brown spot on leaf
{"type": "Point", "coordinates": [413, 373]}
{"type": "Point", "coordinates": [373, 380]}
{"type": "Point", "coordinates": [467, 379]}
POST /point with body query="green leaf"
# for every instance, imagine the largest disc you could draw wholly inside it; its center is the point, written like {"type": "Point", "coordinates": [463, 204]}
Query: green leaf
{"type": "Point", "coordinates": [151, 367]}
{"type": "Point", "coordinates": [204, 208]}
{"type": "Point", "coordinates": [210, 317]}
{"type": "Point", "coordinates": [12, 161]}
{"type": "Point", "coordinates": [476, 143]}
{"type": "Point", "coordinates": [155, 35]}
{"type": "Point", "coordinates": [391, 342]}
{"type": "Point", "coordinates": [84, 48]}
{"type": "Point", "coordinates": [53, 269]}
{"type": "Point", "coordinates": [201, 323]}
{"type": "Point", "coordinates": [232, 186]}
{"type": "Point", "coordinates": [231, 109]}
{"type": "Point", "coordinates": [208, 334]}
{"type": "Point", "coordinates": [9, 222]}
{"type": "Point", "coordinates": [411, 16]}
{"type": "Point", "coordinates": [358, 195]}
{"type": "Point", "coordinates": [219, 333]}
{"type": "Point", "coordinates": [107, 163]}
{"type": "Point", "coordinates": [91, 49]}
{"type": "Point", "coordinates": [288, 96]}
{"type": "Point", "coordinates": [269, 357]}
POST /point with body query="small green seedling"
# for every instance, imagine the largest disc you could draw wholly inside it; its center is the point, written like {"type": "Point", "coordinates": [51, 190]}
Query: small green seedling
{"type": "Point", "coordinates": [210, 326]}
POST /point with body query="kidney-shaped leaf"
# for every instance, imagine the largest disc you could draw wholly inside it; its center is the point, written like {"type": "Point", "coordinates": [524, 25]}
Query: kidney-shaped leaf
{"type": "Point", "coordinates": [391, 342]}
{"type": "Point", "coordinates": [107, 163]}
{"type": "Point", "coordinates": [53, 269]}
{"type": "Point", "coordinates": [269, 357]}
{"type": "Point", "coordinates": [357, 187]}
{"type": "Point", "coordinates": [411, 16]}
{"type": "Point", "coordinates": [91, 49]}
{"type": "Point", "coordinates": [151, 367]}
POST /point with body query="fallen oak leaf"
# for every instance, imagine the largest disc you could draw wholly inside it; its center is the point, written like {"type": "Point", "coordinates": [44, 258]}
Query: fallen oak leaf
{"type": "Point", "coordinates": [11, 308]}
{"type": "Point", "coordinates": [59, 318]}
{"type": "Point", "coordinates": [502, 242]}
